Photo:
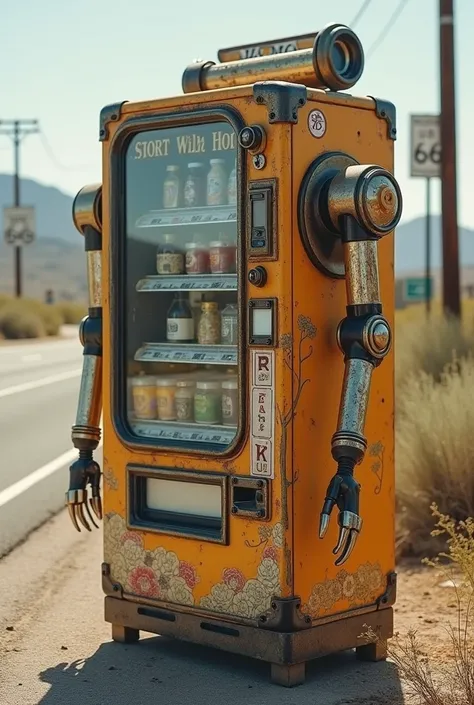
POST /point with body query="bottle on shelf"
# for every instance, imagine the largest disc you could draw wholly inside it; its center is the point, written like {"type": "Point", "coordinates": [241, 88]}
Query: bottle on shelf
{"type": "Point", "coordinates": [195, 186]}
{"type": "Point", "coordinates": [229, 325]}
{"type": "Point", "coordinates": [184, 400]}
{"type": "Point", "coordinates": [172, 187]}
{"type": "Point", "coordinates": [209, 328]}
{"type": "Point", "coordinates": [208, 402]}
{"type": "Point", "coordinates": [169, 258]}
{"type": "Point", "coordinates": [197, 257]}
{"type": "Point", "coordinates": [230, 402]}
{"type": "Point", "coordinates": [180, 321]}
{"type": "Point", "coordinates": [232, 187]}
{"type": "Point", "coordinates": [222, 256]}
{"type": "Point", "coordinates": [217, 183]}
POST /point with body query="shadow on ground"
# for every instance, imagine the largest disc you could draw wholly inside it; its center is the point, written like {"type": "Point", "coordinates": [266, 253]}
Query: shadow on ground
{"type": "Point", "coordinates": [159, 669]}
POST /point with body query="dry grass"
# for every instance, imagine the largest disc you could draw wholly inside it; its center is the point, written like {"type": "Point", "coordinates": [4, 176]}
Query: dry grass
{"type": "Point", "coordinates": [452, 682]}
{"type": "Point", "coordinates": [30, 318]}
{"type": "Point", "coordinates": [434, 423]}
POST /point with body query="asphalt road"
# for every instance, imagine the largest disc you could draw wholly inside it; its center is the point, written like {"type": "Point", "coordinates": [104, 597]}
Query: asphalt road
{"type": "Point", "coordinates": [55, 647]}
{"type": "Point", "coordinates": [39, 384]}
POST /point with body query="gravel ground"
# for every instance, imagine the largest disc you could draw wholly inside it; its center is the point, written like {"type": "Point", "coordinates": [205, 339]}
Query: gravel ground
{"type": "Point", "coordinates": [55, 648]}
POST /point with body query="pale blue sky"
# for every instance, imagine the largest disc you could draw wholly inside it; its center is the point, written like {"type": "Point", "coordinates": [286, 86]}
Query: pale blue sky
{"type": "Point", "coordinates": [61, 62]}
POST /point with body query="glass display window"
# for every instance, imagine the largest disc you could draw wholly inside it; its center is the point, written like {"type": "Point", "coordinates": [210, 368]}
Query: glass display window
{"type": "Point", "coordinates": [181, 299]}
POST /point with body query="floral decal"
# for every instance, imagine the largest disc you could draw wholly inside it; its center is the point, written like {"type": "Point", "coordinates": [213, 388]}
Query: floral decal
{"type": "Point", "coordinates": [307, 331]}
{"type": "Point", "coordinates": [376, 451]}
{"type": "Point", "coordinates": [159, 573]}
{"type": "Point", "coordinates": [357, 588]}
{"type": "Point", "coordinates": [110, 479]}
{"type": "Point", "coordinates": [249, 598]}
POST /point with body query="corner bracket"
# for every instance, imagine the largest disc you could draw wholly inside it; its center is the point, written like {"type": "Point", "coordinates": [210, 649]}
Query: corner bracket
{"type": "Point", "coordinates": [390, 595]}
{"type": "Point", "coordinates": [109, 113]}
{"type": "Point", "coordinates": [282, 99]}
{"type": "Point", "coordinates": [109, 587]}
{"type": "Point", "coordinates": [385, 110]}
{"type": "Point", "coordinates": [285, 616]}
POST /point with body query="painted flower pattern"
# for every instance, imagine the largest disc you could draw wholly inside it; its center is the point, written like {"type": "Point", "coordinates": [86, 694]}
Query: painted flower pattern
{"type": "Point", "coordinates": [155, 574]}
{"type": "Point", "coordinates": [269, 575]}
{"type": "Point", "coordinates": [189, 574]}
{"type": "Point", "coordinates": [270, 552]}
{"type": "Point", "coordinates": [250, 598]}
{"type": "Point", "coordinates": [234, 578]}
{"type": "Point", "coordinates": [277, 535]}
{"type": "Point", "coordinates": [359, 588]}
{"type": "Point", "coordinates": [160, 574]}
{"type": "Point", "coordinates": [143, 581]}
{"type": "Point", "coordinates": [219, 599]}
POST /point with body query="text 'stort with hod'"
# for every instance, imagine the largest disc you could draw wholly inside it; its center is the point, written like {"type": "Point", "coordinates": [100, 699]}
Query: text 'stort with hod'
{"type": "Point", "coordinates": [238, 351]}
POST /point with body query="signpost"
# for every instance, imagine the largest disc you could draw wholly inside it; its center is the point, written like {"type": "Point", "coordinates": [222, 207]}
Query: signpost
{"type": "Point", "coordinates": [425, 160]}
{"type": "Point", "coordinates": [19, 225]}
{"type": "Point", "coordinates": [417, 289]}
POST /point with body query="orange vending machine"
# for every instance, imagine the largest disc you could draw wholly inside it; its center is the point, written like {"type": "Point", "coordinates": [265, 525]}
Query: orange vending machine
{"type": "Point", "coordinates": [240, 261]}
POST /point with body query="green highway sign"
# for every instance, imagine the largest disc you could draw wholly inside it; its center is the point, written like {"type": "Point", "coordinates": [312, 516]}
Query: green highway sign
{"type": "Point", "coordinates": [417, 289]}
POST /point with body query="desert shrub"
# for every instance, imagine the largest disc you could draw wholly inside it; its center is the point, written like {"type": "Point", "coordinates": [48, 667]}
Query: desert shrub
{"type": "Point", "coordinates": [18, 322]}
{"type": "Point", "coordinates": [50, 317]}
{"type": "Point", "coordinates": [451, 683]}
{"type": "Point", "coordinates": [71, 312]}
{"type": "Point", "coordinates": [428, 345]}
{"type": "Point", "coordinates": [434, 452]}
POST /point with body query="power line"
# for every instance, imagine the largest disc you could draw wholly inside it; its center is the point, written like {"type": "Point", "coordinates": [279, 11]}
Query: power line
{"type": "Point", "coordinates": [395, 15]}
{"type": "Point", "coordinates": [360, 13]}
{"type": "Point", "coordinates": [49, 151]}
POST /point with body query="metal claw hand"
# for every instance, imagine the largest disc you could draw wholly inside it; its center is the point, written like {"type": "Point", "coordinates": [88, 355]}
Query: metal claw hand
{"type": "Point", "coordinates": [82, 472]}
{"type": "Point", "coordinates": [343, 490]}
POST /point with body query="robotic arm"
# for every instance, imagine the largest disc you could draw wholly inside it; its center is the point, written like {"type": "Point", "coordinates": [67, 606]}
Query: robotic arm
{"type": "Point", "coordinates": [86, 431]}
{"type": "Point", "coordinates": [363, 204]}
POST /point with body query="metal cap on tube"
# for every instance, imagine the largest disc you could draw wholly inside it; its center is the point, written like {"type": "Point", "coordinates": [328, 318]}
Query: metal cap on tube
{"type": "Point", "coordinates": [335, 62]}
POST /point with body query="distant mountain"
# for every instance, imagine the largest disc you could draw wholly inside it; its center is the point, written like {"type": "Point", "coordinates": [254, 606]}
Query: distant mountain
{"type": "Point", "coordinates": [56, 260]}
{"type": "Point", "coordinates": [53, 208]}
{"type": "Point", "coordinates": [410, 245]}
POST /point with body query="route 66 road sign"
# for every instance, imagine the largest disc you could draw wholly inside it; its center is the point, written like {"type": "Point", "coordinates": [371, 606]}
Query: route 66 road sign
{"type": "Point", "coordinates": [425, 149]}
{"type": "Point", "coordinates": [19, 225]}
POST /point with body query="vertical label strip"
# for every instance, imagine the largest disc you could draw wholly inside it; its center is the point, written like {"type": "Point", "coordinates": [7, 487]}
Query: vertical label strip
{"type": "Point", "coordinates": [262, 414]}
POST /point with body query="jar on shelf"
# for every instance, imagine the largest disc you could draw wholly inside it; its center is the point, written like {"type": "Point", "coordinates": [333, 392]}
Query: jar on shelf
{"type": "Point", "coordinates": [222, 256]}
{"type": "Point", "coordinates": [217, 183]}
{"type": "Point", "coordinates": [229, 325]}
{"type": "Point", "coordinates": [180, 321]}
{"type": "Point", "coordinates": [165, 399]}
{"type": "Point", "coordinates": [232, 187]}
{"type": "Point", "coordinates": [207, 402]}
{"type": "Point", "coordinates": [184, 400]}
{"type": "Point", "coordinates": [230, 402]}
{"type": "Point", "coordinates": [195, 186]}
{"type": "Point", "coordinates": [169, 258]}
{"type": "Point", "coordinates": [171, 187]}
{"type": "Point", "coordinates": [209, 328]}
{"type": "Point", "coordinates": [197, 258]}
{"type": "Point", "coordinates": [144, 396]}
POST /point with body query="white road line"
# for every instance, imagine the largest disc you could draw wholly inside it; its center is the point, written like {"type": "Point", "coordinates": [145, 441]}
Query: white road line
{"type": "Point", "coordinates": [42, 473]}
{"type": "Point", "coordinates": [32, 358]}
{"type": "Point", "coordinates": [35, 384]}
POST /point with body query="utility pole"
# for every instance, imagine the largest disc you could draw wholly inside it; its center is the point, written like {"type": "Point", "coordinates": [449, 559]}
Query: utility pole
{"type": "Point", "coordinates": [449, 219]}
{"type": "Point", "coordinates": [17, 129]}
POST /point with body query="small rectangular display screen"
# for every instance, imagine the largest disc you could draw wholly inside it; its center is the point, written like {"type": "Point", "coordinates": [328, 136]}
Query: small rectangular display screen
{"type": "Point", "coordinates": [259, 221]}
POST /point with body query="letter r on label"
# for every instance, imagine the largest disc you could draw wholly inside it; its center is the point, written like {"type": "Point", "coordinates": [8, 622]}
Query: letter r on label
{"type": "Point", "coordinates": [263, 362]}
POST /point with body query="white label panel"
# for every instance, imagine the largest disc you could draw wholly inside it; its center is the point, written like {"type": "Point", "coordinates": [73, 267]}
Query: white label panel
{"type": "Point", "coordinates": [262, 412]}
{"type": "Point", "coordinates": [262, 458]}
{"type": "Point", "coordinates": [263, 365]}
